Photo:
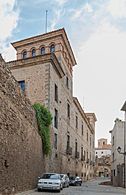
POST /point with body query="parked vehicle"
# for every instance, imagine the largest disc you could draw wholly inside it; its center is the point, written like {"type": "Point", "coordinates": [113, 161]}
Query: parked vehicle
{"type": "Point", "coordinates": [50, 181]}
{"type": "Point", "coordinates": [75, 180]}
{"type": "Point", "coordinates": [65, 180]}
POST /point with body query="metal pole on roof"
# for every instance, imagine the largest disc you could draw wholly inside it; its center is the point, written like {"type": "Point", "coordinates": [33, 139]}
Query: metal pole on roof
{"type": "Point", "coordinates": [46, 21]}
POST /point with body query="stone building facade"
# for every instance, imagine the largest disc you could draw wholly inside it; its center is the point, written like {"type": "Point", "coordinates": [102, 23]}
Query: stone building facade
{"type": "Point", "coordinates": [117, 140]}
{"type": "Point", "coordinates": [21, 159]}
{"type": "Point", "coordinates": [103, 149]}
{"type": "Point", "coordinates": [44, 69]}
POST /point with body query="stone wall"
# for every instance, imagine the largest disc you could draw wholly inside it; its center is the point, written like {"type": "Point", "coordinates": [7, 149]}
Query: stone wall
{"type": "Point", "coordinates": [21, 158]}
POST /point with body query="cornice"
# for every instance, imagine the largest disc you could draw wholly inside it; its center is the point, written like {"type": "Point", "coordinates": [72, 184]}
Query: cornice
{"type": "Point", "coordinates": [83, 114]}
{"type": "Point", "coordinates": [41, 59]}
{"type": "Point", "coordinates": [46, 36]}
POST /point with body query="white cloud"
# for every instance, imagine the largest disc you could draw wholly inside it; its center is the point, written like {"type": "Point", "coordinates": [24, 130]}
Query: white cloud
{"type": "Point", "coordinates": [58, 12]}
{"type": "Point", "coordinates": [56, 18]}
{"type": "Point", "coordinates": [117, 8]}
{"type": "Point", "coordinates": [8, 21]}
{"type": "Point", "coordinates": [9, 53]}
{"type": "Point", "coordinates": [78, 13]}
{"type": "Point", "coordinates": [61, 2]}
{"type": "Point", "coordinates": [101, 71]}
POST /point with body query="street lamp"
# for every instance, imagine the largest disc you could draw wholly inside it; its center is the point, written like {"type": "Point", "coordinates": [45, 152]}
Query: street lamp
{"type": "Point", "coordinates": [119, 151]}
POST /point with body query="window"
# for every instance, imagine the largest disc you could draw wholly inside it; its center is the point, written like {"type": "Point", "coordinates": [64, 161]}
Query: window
{"type": "Point", "coordinates": [68, 110]}
{"type": "Point", "coordinates": [24, 55]}
{"type": "Point", "coordinates": [82, 129]}
{"type": "Point", "coordinates": [82, 153]}
{"type": "Point", "coordinates": [113, 140]}
{"type": "Point", "coordinates": [90, 140]}
{"type": "Point", "coordinates": [33, 52]}
{"type": "Point", "coordinates": [113, 156]}
{"type": "Point", "coordinates": [87, 136]}
{"type": "Point", "coordinates": [42, 50]}
{"type": "Point", "coordinates": [56, 93]}
{"type": "Point", "coordinates": [75, 148]}
{"type": "Point", "coordinates": [114, 172]}
{"type": "Point", "coordinates": [67, 82]}
{"type": "Point", "coordinates": [56, 119]}
{"type": "Point", "coordinates": [55, 141]}
{"type": "Point", "coordinates": [87, 156]}
{"type": "Point", "coordinates": [52, 48]}
{"type": "Point", "coordinates": [90, 156]}
{"type": "Point", "coordinates": [22, 85]}
{"type": "Point", "coordinates": [68, 141]}
{"type": "Point", "coordinates": [76, 122]}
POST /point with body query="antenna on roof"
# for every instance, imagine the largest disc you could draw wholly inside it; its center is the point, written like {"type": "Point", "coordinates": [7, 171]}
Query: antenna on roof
{"type": "Point", "coordinates": [46, 21]}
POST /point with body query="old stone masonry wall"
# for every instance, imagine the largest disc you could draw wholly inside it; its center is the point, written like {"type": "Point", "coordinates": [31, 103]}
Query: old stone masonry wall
{"type": "Point", "coordinates": [21, 159]}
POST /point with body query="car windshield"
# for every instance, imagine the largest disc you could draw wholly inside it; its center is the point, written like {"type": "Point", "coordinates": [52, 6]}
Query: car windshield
{"type": "Point", "coordinates": [50, 176]}
{"type": "Point", "coordinates": [72, 177]}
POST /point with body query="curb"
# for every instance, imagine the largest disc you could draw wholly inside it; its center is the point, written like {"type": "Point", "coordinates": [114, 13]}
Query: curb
{"type": "Point", "coordinates": [26, 192]}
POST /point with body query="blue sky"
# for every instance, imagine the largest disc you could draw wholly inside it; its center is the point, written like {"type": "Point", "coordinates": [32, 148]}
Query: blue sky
{"type": "Point", "coordinates": [97, 32]}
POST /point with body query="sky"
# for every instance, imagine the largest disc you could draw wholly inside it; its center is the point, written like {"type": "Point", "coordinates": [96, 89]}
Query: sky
{"type": "Point", "coordinates": [97, 33]}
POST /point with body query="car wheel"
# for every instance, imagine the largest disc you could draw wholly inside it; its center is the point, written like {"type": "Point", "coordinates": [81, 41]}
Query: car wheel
{"type": "Point", "coordinates": [39, 190]}
{"type": "Point", "coordinates": [61, 187]}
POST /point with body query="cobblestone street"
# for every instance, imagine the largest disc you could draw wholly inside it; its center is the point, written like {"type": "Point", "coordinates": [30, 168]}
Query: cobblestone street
{"type": "Point", "coordinates": [88, 188]}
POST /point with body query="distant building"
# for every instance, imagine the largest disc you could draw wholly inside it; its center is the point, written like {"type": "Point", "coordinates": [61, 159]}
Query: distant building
{"type": "Point", "coordinates": [117, 140]}
{"type": "Point", "coordinates": [44, 70]}
{"type": "Point", "coordinates": [103, 158]}
{"type": "Point", "coordinates": [103, 148]}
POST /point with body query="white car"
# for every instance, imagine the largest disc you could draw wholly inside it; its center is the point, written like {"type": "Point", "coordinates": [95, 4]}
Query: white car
{"type": "Point", "coordinates": [50, 181]}
{"type": "Point", "coordinates": [65, 180]}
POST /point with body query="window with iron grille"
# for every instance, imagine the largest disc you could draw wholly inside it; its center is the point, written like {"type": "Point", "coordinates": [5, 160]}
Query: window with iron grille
{"type": "Point", "coordinates": [56, 119]}
{"type": "Point", "coordinates": [56, 93]}
{"type": "Point", "coordinates": [76, 122]}
{"type": "Point", "coordinates": [68, 110]}
{"type": "Point", "coordinates": [55, 141]}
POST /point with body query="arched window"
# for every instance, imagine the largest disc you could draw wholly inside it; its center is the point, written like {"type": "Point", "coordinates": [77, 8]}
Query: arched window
{"type": "Point", "coordinates": [52, 48]}
{"type": "Point", "coordinates": [42, 50]}
{"type": "Point", "coordinates": [33, 52]}
{"type": "Point", "coordinates": [24, 54]}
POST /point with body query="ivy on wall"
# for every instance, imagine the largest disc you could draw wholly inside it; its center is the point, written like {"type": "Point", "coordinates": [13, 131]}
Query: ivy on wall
{"type": "Point", "coordinates": [44, 120]}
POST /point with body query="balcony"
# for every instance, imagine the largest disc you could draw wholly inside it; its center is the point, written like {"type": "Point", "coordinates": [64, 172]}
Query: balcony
{"type": "Point", "coordinates": [77, 155]}
{"type": "Point", "coordinates": [69, 150]}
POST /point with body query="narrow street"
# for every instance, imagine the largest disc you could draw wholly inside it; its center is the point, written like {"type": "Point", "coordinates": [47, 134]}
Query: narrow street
{"type": "Point", "coordinates": [88, 188]}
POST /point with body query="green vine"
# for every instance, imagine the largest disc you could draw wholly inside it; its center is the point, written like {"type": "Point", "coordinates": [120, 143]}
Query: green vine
{"type": "Point", "coordinates": [44, 120]}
